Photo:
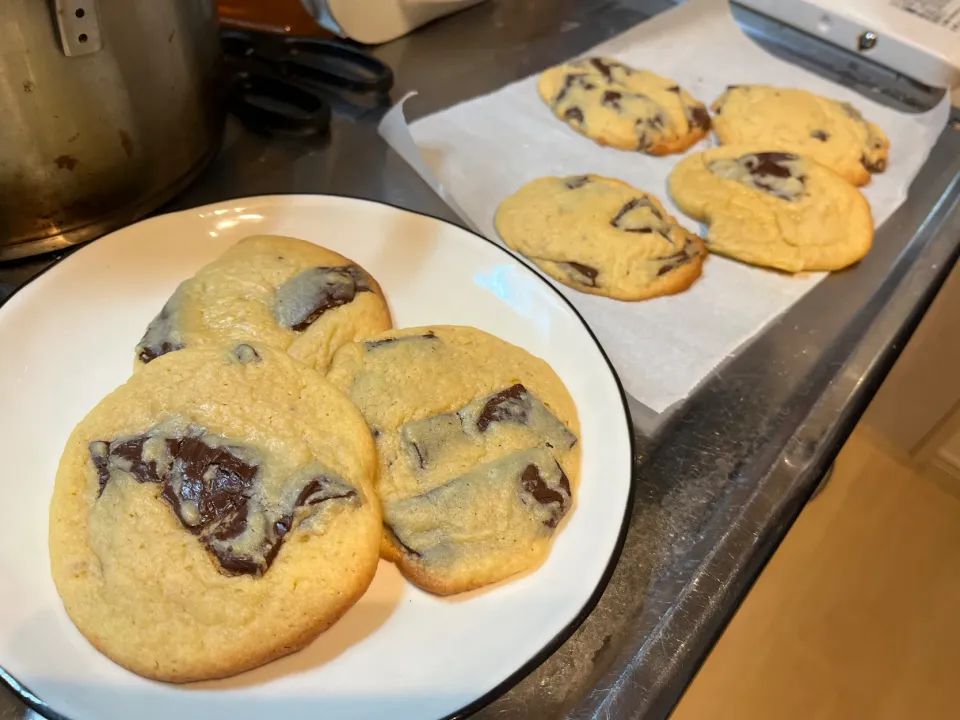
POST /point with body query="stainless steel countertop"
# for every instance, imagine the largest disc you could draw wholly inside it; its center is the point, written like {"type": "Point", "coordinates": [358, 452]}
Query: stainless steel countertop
{"type": "Point", "coordinates": [720, 483]}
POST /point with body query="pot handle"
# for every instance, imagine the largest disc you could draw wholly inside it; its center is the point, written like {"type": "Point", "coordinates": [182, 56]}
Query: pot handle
{"type": "Point", "coordinates": [78, 24]}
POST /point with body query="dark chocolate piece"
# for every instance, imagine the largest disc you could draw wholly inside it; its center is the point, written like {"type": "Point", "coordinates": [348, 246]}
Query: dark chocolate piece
{"type": "Point", "coordinates": [213, 482]}
{"type": "Point", "coordinates": [393, 536]}
{"type": "Point", "coordinates": [510, 405]}
{"type": "Point", "coordinates": [531, 482]}
{"type": "Point", "coordinates": [611, 98]}
{"type": "Point", "coordinates": [428, 439]}
{"type": "Point", "coordinates": [604, 68]}
{"type": "Point", "coordinates": [573, 114]}
{"type": "Point", "coordinates": [873, 166]}
{"type": "Point", "coordinates": [621, 221]}
{"type": "Point", "coordinates": [821, 135]}
{"type": "Point", "coordinates": [210, 488]}
{"type": "Point", "coordinates": [541, 488]}
{"type": "Point", "coordinates": [583, 274]}
{"type": "Point", "coordinates": [700, 118]}
{"type": "Point", "coordinates": [128, 455]}
{"type": "Point", "coordinates": [578, 181]}
{"type": "Point", "coordinates": [309, 294]}
{"type": "Point", "coordinates": [569, 81]}
{"type": "Point", "coordinates": [100, 456]}
{"type": "Point", "coordinates": [674, 89]}
{"type": "Point", "coordinates": [769, 163]}
{"type": "Point", "coordinates": [374, 344]}
{"type": "Point", "coordinates": [159, 337]}
{"type": "Point", "coordinates": [152, 352]}
{"type": "Point", "coordinates": [762, 169]}
{"type": "Point", "coordinates": [321, 489]}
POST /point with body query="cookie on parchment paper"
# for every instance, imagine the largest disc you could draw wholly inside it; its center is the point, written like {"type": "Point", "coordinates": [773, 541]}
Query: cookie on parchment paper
{"type": "Point", "coordinates": [601, 236]}
{"type": "Point", "coordinates": [774, 209]}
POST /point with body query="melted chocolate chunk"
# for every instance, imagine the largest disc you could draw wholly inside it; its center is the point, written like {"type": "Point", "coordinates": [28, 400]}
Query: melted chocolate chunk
{"type": "Point", "coordinates": [152, 352]}
{"type": "Point", "coordinates": [571, 80]}
{"type": "Point", "coordinates": [210, 487]}
{"type": "Point", "coordinates": [322, 489]}
{"type": "Point", "coordinates": [309, 294]}
{"type": "Point", "coordinates": [700, 118]}
{"type": "Point", "coordinates": [604, 68]}
{"type": "Point", "coordinates": [672, 262]}
{"type": "Point", "coordinates": [573, 183]}
{"type": "Point", "coordinates": [611, 98]}
{"type": "Point", "coordinates": [646, 128]}
{"type": "Point", "coordinates": [246, 354]}
{"type": "Point", "coordinates": [374, 344]}
{"type": "Point", "coordinates": [573, 114]}
{"type": "Point", "coordinates": [821, 135]}
{"type": "Point", "coordinates": [531, 482]}
{"type": "Point", "coordinates": [583, 274]}
{"type": "Point", "coordinates": [876, 166]}
{"type": "Point", "coordinates": [674, 89]}
{"type": "Point", "coordinates": [770, 172]}
{"type": "Point", "coordinates": [430, 440]}
{"type": "Point", "coordinates": [393, 536]}
{"type": "Point", "coordinates": [161, 336]}
{"type": "Point", "coordinates": [769, 163]}
{"type": "Point", "coordinates": [665, 269]}
{"type": "Point", "coordinates": [510, 405]}
{"type": "Point", "coordinates": [128, 455]}
{"type": "Point", "coordinates": [622, 222]}
{"type": "Point", "coordinates": [100, 455]}
{"type": "Point", "coordinates": [440, 526]}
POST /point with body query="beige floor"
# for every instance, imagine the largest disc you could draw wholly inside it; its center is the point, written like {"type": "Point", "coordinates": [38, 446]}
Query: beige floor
{"type": "Point", "coordinates": [858, 613]}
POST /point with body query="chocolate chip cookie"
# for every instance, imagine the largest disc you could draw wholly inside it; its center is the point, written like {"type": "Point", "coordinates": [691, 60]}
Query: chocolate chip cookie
{"type": "Point", "coordinates": [479, 458]}
{"type": "Point", "coordinates": [601, 236]}
{"type": "Point", "coordinates": [288, 293]}
{"type": "Point", "coordinates": [614, 104]}
{"type": "Point", "coordinates": [833, 133]}
{"type": "Point", "coordinates": [774, 209]}
{"type": "Point", "coordinates": [214, 513]}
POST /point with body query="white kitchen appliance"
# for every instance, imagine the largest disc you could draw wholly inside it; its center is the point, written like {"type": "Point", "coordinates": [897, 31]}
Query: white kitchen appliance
{"type": "Point", "coordinates": [377, 21]}
{"type": "Point", "coordinates": [918, 38]}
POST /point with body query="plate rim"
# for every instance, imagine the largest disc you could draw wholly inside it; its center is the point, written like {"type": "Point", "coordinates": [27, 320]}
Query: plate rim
{"type": "Point", "coordinates": [36, 704]}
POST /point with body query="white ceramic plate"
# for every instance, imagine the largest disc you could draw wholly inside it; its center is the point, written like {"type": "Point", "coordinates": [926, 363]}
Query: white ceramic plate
{"type": "Point", "coordinates": [66, 340]}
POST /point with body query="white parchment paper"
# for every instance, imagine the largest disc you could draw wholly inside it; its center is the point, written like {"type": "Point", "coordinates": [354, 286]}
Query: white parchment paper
{"type": "Point", "coordinates": [483, 150]}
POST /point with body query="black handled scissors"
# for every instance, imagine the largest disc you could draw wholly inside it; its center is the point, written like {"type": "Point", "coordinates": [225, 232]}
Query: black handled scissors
{"type": "Point", "coordinates": [280, 83]}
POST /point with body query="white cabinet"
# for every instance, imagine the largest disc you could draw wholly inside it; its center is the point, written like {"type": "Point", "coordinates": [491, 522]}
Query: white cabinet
{"type": "Point", "coordinates": [917, 410]}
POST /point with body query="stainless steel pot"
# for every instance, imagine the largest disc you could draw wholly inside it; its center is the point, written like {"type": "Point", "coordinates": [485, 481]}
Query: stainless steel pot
{"type": "Point", "coordinates": [107, 109]}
